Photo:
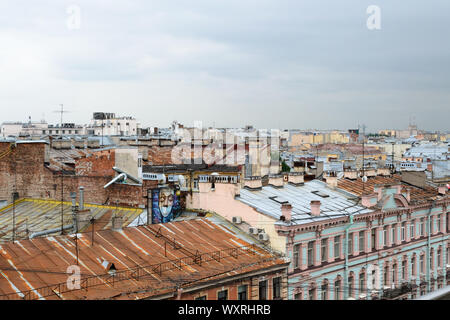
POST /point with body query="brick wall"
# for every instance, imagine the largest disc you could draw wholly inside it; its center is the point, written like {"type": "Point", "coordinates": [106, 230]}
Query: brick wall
{"type": "Point", "coordinates": [99, 163]}
{"type": "Point", "coordinates": [25, 168]}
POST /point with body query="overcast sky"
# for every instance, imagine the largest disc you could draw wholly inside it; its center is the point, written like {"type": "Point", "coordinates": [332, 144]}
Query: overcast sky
{"type": "Point", "coordinates": [273, 64]}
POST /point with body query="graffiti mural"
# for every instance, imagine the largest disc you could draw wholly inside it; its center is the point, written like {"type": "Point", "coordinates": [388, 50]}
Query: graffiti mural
{"type": "Point", "coordinates": [165, 205]}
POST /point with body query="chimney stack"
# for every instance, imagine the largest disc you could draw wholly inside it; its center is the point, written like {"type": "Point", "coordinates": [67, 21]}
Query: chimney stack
{"type": "Point", "coordinates": [408, 194]}
{"type": "Point", "coordinates": [442, 189]}
{"type": "Point", "coordinates": [81, 205]}
{"type": "Point", "coordinates": [117, 223]}
{"type": "Point", "coordinates": [286, 211]}
{"type": "Point", "coordinates": [315, 208]}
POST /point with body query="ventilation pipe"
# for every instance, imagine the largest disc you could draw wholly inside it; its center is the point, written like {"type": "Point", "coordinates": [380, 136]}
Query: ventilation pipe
{"type": "Point", "coordinates": [81, 205]}
{"type": "Point", "coordinates": [120, 176]}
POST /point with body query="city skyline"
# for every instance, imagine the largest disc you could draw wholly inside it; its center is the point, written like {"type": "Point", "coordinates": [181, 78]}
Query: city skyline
{"type": "Point", "coordinates": [270, 64]}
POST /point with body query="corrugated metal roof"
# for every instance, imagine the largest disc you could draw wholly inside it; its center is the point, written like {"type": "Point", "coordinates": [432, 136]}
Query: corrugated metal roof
{"type": "Point", "coordinates": [35, 215]}
{"type": "Point", "coordinates": [356, 186]}
{"type": "Point", "coordinates": [149, 260]}
{"type": "Point", "coordinates": [300, 197]}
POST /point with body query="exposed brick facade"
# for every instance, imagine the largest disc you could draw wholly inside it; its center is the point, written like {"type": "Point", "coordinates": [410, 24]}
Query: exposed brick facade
{"type": "Point", "coordinates": [25, 167]}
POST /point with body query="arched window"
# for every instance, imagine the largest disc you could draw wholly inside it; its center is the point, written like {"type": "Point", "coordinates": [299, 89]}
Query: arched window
{"type": "Point", "coordinates": [439, 257]}
{"type": "Point", "coordinates": [312, 292]}
{"type": "Point", "coordinates": [432, 259]}
{"type": "Point", "coordinates": [395, 274]}
{"type": "Point", "coordinates": [338, 288]}
{"type": "Point", "coordinates": [386, 275]}
{"type": "Point", "coordinates": [324, 290]}
{"type": "Point", "coordinates": [413, 265]}
{"type": "Point", "coordinates": [362, 282]}
{"type": "Point", "coordinates": [351, 285]}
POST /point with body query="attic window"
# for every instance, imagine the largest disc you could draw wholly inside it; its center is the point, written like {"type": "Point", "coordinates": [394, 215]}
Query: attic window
{"type": "Point", "coordinates": [320, 194]}
{"type": "Point", "coordinates": [279, 199]}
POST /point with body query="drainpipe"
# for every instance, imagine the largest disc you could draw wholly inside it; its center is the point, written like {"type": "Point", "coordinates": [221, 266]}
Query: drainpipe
{"type": "Point", "coordinates": [346, 257]}
{"type": "Point", "coordinates": [429, 247]}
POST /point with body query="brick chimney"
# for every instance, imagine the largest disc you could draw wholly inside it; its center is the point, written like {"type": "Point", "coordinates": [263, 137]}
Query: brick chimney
{"type": "Point", "coordinates": [286, 211]}
{"type": "Point", "coordinates": [408, 194]}
{"type": "Point", "coordinates": [315, 208]}
{"type": "Point", "coordinates": [117, 223]}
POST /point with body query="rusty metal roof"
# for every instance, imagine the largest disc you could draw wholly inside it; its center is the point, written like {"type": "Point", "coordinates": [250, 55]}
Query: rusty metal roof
{"type": "Point", "coordinates": [356, 187]}
{"type": "Point", "coordinates": [149, 261]}
{"type": "Point", "coordinates": [36, 215]}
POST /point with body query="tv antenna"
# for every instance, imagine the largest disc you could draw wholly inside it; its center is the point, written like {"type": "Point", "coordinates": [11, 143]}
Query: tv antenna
{"type": "Point", "coordinates": [62, 111]}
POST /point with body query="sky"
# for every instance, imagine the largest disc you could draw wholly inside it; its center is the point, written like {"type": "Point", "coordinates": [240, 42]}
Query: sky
{"type": "Point", "coordinates": [270, 64]}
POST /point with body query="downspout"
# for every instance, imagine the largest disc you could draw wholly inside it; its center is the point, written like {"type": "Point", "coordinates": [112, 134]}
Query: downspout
{"type": "Point", "coordinates": [429, 247]}
{"type": "Point", "coordinates": [346, 257]}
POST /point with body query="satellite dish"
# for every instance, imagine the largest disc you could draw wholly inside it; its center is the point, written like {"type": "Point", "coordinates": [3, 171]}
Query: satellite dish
{"type": "Point", "coordinates": [340, 175]}
{"type": "Point", "coordinates": [364, 179]}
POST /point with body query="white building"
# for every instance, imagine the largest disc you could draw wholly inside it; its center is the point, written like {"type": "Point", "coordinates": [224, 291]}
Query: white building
{"type": "Point", "coordinates": [108, 124]}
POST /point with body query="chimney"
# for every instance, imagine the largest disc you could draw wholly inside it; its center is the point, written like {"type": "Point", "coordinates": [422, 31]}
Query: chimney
{"type": "Point", "coordinates": [286, 211]}
{"type": "Point", "coordinates": [81, 205]}
{"type": "Point", "coordinates": [442, 189]}
{"type": "Point", "coordinates": [117, 223]}
{"type": "Point", "coordinates": [408, 194]}
{"type": "Point", "coordinates": [315, 208]}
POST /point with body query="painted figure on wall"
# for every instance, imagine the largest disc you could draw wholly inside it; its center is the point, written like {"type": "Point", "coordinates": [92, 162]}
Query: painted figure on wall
{"type": "Point", "coordinates": [165, 205]}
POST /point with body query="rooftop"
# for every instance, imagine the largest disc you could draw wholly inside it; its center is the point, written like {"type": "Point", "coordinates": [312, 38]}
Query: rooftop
{"type": "Point", "coordinates": [334, 204]}
{"type": "Point", "coordinates": [36, 215]}
{"type": "Point", "coordinates": [147, 261]}
{"type": "Point", "coordinates": [356, 186]}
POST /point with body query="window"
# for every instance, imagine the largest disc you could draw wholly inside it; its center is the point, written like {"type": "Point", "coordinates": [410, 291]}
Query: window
{"type": "Point", "coordinates": [394, 274]}
{"type": "Point", "coordinates": [439, 257]}
{"type": "Point", "coordinates": [337, 247]}
{"type": "Point", "coordinates": [351, 288]}
{"type": "Point", "coordinates": [222, 295]}
{"type": "Point", "coordinates": [201, 298]}
{"type": "Point", "coordinates": [296, 256]}
{"type": "Point", "coordinates": [337, 289]}
{"type": "Point", "coordinates": [242, 292]}
{"type": "Point", "coordinates": [422, 264]}
{"type": "Point", "coordinates": [276, 285]}
{"type": "Point", "coordinates": [373, 238]}
{"type": "Point", "coordinates": [438, 218]}
{"type": "Point", "coordinates": [361, 241]}
{"type": "Point", "coordinates": [393, 234]}
{"type": "Point", "coordinates": [403, 231]}
{"type": "Point", "coordinates": [263, 290]}
{"type": "Point", "coordinates": [362, 282]}
{"type": "Point", "coordinates": [350, 244]}
{"type": "Point", "coordinates": [403, 270]}
{"type": "Point", "coordinates": [386, 276]}
{"type": "Point", "coordinates": [413, 266]}
{"type": "Point", "coordinates": [298, 296]}
{"type": "Point", "coordinates": [421, 227]}
{"type": "Point", "coordinates": [195, 183]}
{"type": "Point", "coordinates": [385, 236]}
{"type": "Point", "coordinates": [324, 291]}
{"type": "Point", "coordinates": [412, 230]}
{"type": "Point", "coordinates": [310, 253]}
{"type": "Point", "coordinates": [312, 293]}
{"type": "Point", "coordinates": [324, 250]}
